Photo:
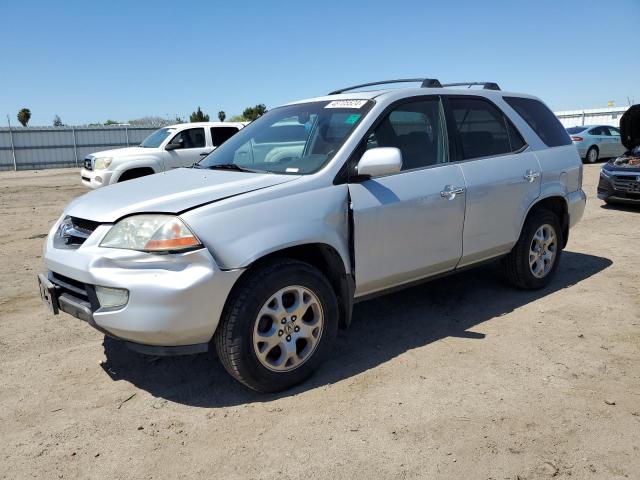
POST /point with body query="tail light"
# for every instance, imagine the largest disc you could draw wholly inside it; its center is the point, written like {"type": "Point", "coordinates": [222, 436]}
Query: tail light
{"type": "Point", "coordinates": [576, 139]}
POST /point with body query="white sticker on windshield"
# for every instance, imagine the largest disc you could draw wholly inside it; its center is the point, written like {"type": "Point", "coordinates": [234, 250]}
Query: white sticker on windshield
{"type": "Point", "coordinates": [292, 170]}
{"type": "Point", "coordinates": [346, 104]}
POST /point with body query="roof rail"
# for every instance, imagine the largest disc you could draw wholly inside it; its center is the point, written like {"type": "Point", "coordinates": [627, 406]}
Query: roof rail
{"type": "Point", "coordinates": [425, 83]}
{"type": "Point", "coordinates": [485, 85]}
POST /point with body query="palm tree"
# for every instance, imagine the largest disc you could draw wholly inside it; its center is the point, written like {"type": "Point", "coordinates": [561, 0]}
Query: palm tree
{"type": "Point", "coordinates": [24, 115]}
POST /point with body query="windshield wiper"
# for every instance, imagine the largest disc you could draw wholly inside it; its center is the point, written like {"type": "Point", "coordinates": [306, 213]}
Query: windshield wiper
{"type": "Point", "coordinates": [233, 166]}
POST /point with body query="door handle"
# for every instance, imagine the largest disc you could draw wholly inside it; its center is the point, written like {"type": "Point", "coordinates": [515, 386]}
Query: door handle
{"type": "Point", "coordinates": [530, 176]}
{"type": "Point", "coordinates": [204, 154]}
{"type": "Point", "coordinates": [450, 192]}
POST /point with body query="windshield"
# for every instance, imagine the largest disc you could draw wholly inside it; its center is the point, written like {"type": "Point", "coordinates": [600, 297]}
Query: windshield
{"type": "Point", "coordinates": [573, 130]}
{"type": "Point", "coordinates": [156, 138]}
{"type": "Point", "coordinates": [295, 139]}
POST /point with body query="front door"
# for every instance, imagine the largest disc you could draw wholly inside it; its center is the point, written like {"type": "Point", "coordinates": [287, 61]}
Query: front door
{"type": "Point", "coordinates": [193, 148]}
{"type": "Point", "coordinates": [408, 225]}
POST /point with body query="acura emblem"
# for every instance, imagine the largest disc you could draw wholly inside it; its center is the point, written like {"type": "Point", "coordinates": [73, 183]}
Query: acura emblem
{"type": "Point", "coordinates": [64, 230]}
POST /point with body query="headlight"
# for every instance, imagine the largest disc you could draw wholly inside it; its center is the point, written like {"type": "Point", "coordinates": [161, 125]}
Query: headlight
{"type": "Point", "coordinates": [604, 173]}
{"type": "Point", "coordinates": [102, 163]}
{"type": "Point", "coordinates": [151, 233]}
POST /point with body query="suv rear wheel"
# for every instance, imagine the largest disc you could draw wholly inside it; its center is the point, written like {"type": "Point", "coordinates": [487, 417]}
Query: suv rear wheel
{"type": "Point", "coordinates": [277, 326]}
{"type": "Point", "coordinates": [534, 259]}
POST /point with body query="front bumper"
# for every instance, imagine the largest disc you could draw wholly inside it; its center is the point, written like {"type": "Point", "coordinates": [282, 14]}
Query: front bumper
{"type": "Point", "coordinates": [620, 187]}
{"type": "Point", "coordinates": [95, 178]}
{"type": "Point", "coordinates": [175, 300]}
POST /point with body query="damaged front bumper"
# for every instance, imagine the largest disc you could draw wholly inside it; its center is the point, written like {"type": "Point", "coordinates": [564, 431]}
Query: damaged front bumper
{"type": "Point", "coordinates": [173, 301]}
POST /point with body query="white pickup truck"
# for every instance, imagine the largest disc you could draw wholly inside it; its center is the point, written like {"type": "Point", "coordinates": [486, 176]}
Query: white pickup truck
{"type": "Point", "coordinates": [169, 147]}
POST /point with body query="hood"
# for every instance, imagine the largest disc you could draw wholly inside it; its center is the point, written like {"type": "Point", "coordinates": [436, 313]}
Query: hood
{"type": "Point", "coordinates": [169, 192]}
{"type": "Point", "coordinates": [630, 127]}
{"type": "Point", "coordinates": [123, 152]}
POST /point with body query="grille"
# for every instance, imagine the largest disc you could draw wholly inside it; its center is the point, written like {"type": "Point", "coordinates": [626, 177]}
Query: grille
{"type": "Point", "coordinates": [87, 226]}
{"type": "Point", "coordinates": [73, 232]}
{"type": "Point", "coordinates": [88, 164]}
{"type": "Point", "coordinates": [627, 183]}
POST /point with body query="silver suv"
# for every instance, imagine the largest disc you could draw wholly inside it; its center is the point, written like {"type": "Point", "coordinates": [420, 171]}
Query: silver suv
{"type": "Point", "coordinates": [263, 247]}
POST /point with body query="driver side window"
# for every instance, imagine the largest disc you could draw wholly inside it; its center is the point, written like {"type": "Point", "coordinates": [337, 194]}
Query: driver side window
{"type": "Point", "coordinates": [191, 138]}
{"type": "Point", "coordinates": [418, 130]}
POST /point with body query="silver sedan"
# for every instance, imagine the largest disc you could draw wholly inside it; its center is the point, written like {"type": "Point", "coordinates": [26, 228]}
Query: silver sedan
{"type": "Point", "coordinates": [596, 141]}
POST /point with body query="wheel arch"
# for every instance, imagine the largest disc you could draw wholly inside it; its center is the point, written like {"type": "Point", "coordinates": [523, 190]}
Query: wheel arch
{"type": "Point", "coordinates": [137, 164]}
{"type": "Point", "coordinates": [556, 204]}
{"type": "Point", "coordinates": [325, 258]}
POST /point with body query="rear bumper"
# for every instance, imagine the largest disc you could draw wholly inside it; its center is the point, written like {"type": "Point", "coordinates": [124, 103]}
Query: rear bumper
{"type": "Point", "coordinates": [175, 301]}
{"type": "Point", "coordinates": [576, 203]}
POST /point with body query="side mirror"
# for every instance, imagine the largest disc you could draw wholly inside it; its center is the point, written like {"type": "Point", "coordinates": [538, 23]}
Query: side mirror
{"type": "Point", "coordinates": [175, 146]}
{"type": "Point", "coordinates": [380, 161]}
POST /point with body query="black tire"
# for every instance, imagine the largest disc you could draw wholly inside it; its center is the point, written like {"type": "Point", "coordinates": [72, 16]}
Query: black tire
{"type": "Point", "coordinates": [234, 336]}
{"type": "Point", "coordinates": [516, 265]}
{"type": "Point", "coordinates": [594, 160]}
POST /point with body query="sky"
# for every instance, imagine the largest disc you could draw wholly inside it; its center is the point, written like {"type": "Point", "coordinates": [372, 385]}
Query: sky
{"type": "Point", "coordinates": [89, 61]}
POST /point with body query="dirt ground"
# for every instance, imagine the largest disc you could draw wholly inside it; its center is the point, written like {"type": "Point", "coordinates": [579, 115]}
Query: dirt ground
{"type": "Point", "coordinates": [461, 378]}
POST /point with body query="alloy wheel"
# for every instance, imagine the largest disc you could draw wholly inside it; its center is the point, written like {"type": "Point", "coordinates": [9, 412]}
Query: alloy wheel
{"type": "Point", "coordinates": [543, 250]}
{"type": "Point", "coordinates": [288, 328]}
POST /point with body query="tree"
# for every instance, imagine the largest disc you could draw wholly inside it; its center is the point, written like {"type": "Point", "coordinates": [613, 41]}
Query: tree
{"type": "Point", "coordinates": [57, 122]}
{"type": "Point", "coordinates": [222, 115]}
{"type": "Point", "coordinates": [198, 116]}
{"type": "Point", "coordinates": [111, 122]}
{"type": "Point", "coordinates": [151, 121]}
{"type": "Point", "coordinates": [24, 115]}
{"type": "Point", "coordinates": [251, 113]}
{"type": "Point", "coordinates": [237, 118]}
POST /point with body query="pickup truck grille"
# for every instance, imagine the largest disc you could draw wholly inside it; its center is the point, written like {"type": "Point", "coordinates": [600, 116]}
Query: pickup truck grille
{"type": "Point", "coordinates": [627, 183]}
{"type": "Point", "coordinates": [88, 164]}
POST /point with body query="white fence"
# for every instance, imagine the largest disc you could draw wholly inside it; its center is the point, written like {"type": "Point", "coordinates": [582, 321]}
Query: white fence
{"type": "Point", "coordinates": [54, 147]}
{"type": "Point", "coordinates": [592, 116]}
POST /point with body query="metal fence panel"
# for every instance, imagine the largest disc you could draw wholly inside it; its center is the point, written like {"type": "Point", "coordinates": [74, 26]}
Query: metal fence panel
{"type": "Point", "coordinates": [38, 148]}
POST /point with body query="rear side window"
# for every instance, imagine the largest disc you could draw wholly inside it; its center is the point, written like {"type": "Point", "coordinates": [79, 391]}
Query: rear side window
{"type": "Point", "coordinates": [541, 120]}
{"type": "Point", "coordinates": [483, 129]}
{"type": "Point", "coordinates": [221, 134]}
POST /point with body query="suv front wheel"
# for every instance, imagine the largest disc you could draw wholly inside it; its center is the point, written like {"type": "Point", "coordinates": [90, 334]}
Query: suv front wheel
{"type": "Point", "coordinates": [534, 259]}
{"type": "Point", "coordinates": [277, 326]}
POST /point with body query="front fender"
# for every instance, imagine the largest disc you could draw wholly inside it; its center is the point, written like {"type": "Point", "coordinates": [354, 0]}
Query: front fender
{"type": "Point", "coordinates": [239, 236]}
{"type": "Point", "coordinates": [136, 162]}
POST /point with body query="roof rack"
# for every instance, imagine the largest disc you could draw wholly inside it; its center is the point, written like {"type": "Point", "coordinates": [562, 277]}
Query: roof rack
{"type": "Point", "coordinates": [485, 85]}
{"type": "Point", "coordinates": [425, 83]}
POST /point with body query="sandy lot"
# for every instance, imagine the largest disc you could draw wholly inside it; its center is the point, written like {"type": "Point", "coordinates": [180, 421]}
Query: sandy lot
{"type": "Point", "coordinates": [460, 378]}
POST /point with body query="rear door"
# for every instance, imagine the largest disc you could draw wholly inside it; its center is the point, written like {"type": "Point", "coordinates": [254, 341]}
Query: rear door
{"type": "Point", "coordinates": [406, 225]}
{"type": "Point", "coordinates": [193, 148]}
{"type": "Point", "coordinates": [502, 178]}
{"type": "Point", "coordinates": [601, 137]}
{"type": "Point", "coordinates": [617, 148]}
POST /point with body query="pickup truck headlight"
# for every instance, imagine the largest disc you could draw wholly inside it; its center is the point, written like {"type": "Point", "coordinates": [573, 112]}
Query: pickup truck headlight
{"type": "Point", "coordinates": [151, 233]}
{"type": "Point", "coordinates": [102, 163]}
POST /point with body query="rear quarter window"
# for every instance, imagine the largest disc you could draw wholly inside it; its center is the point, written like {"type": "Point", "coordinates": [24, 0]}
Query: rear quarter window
{"type": "Point", "coordinates": [541, 120]}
